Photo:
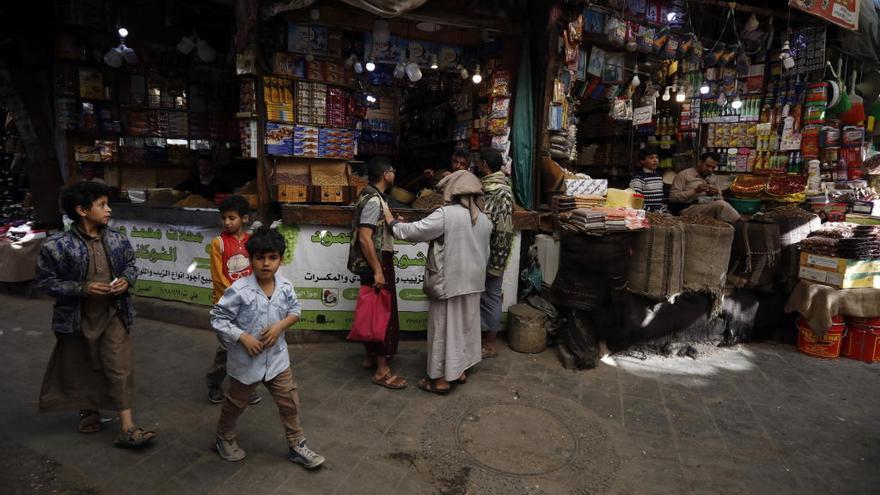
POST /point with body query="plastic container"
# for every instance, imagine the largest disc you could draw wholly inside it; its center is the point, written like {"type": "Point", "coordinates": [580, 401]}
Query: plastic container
{"type": "Point", "coordinates": [827, 346]}
{"type": "Point", "coordinates": [528, 329]}
{"type": "Point", "coordinates": [745, 206]}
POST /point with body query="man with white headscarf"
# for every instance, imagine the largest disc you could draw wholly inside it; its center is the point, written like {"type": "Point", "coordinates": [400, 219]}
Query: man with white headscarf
{"type": "Point", "coordinates": [455, 276]}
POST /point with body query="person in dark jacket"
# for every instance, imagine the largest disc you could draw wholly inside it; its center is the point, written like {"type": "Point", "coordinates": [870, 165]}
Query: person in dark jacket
{"type": "Point", "coordinates": [203, 180]}
{"type": "Point", "coordinates": [89, 271]}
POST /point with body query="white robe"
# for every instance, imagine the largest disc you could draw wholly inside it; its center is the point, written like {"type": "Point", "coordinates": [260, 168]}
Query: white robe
{"type": "Point", "coordinates": [454, 322]}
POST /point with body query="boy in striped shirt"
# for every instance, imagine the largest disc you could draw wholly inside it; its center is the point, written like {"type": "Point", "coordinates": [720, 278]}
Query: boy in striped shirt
{"type": "Point", "coordinates": [648, 182]}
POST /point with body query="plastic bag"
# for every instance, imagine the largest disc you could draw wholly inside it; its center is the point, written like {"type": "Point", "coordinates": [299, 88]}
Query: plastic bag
{"type": "Point", "coordinates": [371, 315]}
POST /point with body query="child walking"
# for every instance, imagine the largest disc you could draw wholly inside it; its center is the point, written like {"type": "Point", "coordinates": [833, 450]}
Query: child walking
{"type": "Point", "coordinates": [89, 270]}
{"type": "Point", "coordinates": [251, 318]}
{"type": "Point", "coordinates": [229, 262]}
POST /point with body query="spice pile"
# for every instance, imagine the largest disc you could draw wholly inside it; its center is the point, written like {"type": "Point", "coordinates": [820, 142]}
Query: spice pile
{"type": "Point", "coordinates": [863, 245]}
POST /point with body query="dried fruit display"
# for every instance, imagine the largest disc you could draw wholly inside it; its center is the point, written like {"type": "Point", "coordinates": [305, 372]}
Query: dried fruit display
{"type": "Point", "coordinates": [749, 184]}
{"type": "Point", "coordinates": [784, 185]}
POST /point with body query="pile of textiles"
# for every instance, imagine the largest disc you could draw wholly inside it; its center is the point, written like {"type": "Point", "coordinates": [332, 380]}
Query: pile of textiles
{"type": "Point", "coordinates": [589, 201]}
{"type": "Point", "coordinates": [863, 245]}
{"type": "Point", "coordinates": [562, 203]}
{"type": "Point", "coordinates": [583, 220]}
{"type": "Point", "coordinates": [824, 246]}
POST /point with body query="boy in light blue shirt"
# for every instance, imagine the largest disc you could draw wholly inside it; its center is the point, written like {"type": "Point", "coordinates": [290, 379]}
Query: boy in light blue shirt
{"type": "Point", "coordinates": [251, 318]}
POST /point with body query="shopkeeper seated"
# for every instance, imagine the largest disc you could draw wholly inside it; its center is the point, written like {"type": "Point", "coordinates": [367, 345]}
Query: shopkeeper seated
{"type": "Point", "coordinates": [203, 180]}
{"type": "Point", "coordinates": [695, 192]}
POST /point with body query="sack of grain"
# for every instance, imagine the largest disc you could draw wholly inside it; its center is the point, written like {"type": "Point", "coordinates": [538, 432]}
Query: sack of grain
{"type": "Point", "coordinates": [707, 245]}
{"type": "Point", "coordinates": [657, 267]}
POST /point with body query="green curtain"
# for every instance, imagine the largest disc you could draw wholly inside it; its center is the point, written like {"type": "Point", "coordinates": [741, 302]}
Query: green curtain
{"type": "Point", "coordinates": [523, 144]}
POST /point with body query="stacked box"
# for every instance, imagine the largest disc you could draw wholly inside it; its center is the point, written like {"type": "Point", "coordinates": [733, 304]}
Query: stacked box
{"type": "Point", "coordinates": [305, 141]}
{"type": "Point", "coordinates": [279, 139]}
{"type": "Point", "coordinates": [336, 143]}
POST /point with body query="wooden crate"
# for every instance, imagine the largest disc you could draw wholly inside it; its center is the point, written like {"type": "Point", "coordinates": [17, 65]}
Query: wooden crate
{"type": "Point", "coordinates": [289, 193]}
{"type": "Point", "coordinates": [336, 194]}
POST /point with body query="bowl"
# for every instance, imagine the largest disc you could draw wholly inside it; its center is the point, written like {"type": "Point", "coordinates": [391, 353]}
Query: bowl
{"type": "Point", "coordinates": [745, 206]}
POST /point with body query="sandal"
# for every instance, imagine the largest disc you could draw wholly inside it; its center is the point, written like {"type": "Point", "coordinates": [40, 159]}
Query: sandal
{"type": "Point", "coordinates": [89, 421]}
{"type": "Point", "coordinates": [462, 379]}
{"type": "Point", "coordinates": [489, 353]}
{"type": "Point", "coordinates": [390, 380]}
{"type": "Point", "coordinates": [135, 437]}
{"type": "Point", "coordinates": [429, 385]}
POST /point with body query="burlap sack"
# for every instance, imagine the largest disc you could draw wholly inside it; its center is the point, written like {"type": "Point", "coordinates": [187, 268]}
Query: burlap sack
{"type": "Point", "coordinates": [657, 267]}
{"type": "Point", "coordinates": [707, 245]}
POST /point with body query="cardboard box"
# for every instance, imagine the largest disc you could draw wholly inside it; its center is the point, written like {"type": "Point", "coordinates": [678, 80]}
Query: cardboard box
{"type": "Point", "coordinates": [840, 272]}
{"type": "Point", "coordinates": [862, 219]}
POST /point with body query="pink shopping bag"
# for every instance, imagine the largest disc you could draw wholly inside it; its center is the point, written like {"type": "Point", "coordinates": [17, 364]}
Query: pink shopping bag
{"type": "Point", "coordinates": [371, 315]}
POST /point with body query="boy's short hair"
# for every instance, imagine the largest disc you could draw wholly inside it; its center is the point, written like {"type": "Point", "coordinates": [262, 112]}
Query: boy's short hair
{"type": "Point", "coordinates": [646, 152]}
{"type": "Point", "coordinates": [235, 203]}
{"type": "Point", "coordinates": [493, 158]}
{"type": "Point", "coordinates": [710, 154]}
{"type": "Point", "coordinates": [377, 167]}
{"type": "Point", "coordinates": [265, 240]}
{"type": "Point", "coordinates": [81, 194]}
{"type": "Point", "coordinates": [459, 153]}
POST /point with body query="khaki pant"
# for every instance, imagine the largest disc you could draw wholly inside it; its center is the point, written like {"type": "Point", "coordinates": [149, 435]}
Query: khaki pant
{"type": "Point", "coordinates": [283, 390]}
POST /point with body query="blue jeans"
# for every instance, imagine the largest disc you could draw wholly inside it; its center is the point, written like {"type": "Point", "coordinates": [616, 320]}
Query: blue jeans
{"type": "Point", "coordinates": [490, 304]}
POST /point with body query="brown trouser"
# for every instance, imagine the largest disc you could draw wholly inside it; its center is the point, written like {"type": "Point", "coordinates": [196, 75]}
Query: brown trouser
{"type": "Point", "coordinates": [283, 390]}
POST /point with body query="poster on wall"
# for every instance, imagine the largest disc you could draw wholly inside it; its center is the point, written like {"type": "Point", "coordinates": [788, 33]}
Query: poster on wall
{"type": "Point", "coordinates": [174, 264]}
{"type": "Point", "coordinates": [173, 261]}
{"type": "Point", "coordinates": [844, 13]}
{"type": "Point", "coordinates": [304, 38]}
{"type": "Point", "coordinates": [316, 265]}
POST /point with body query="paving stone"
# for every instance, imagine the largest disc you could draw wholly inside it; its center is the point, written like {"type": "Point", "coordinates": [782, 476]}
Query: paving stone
{"type": "Point", "coordinates": [760, 418]}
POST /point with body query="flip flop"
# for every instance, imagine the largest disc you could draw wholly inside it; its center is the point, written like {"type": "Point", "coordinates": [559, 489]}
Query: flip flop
{"type": "Point", "coordinates": [487, 354]}
{"type": "Point", "coordinates": [134, 438]}
{"type": "Point", "coordinates": [390, 380]}
{"type": "Point", "coordinates": [429, 385]}
{"type": "Point", "coordinates": [89, 421]}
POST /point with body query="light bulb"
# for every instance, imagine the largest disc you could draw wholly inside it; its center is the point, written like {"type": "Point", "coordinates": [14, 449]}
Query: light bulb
{"type": "Point", "coordinates": [371, 99]}
{"type": "Point", "coordinates": [736, 103]}
{"type": "Point", "coordinates": [704, 89]}
{"type": "Point", "coordinates": [722, 99]}
{"type": "Point", "coordinates": [477, 78]}
{"type": "Point", "coordinates": [358, 68]}
{"type": "Point", "coordinates": [666, 96]}
{"type": "Point", "coordinates": [434, 62]}
{"type": "Point", "coordinates": [636, 81]}
{"type": "Point", "coordinates": [680, 96]}
{"type": "Point", "coordinates": [370, 66]}
{"type": "Point", "coordinates": [671, 16]}
{"type": "Point", "coordinates": [123, 32]}
{"type": "Point", "coordinates": [462, 72]}
{"type": "Point", "coordinates": [399, 70]}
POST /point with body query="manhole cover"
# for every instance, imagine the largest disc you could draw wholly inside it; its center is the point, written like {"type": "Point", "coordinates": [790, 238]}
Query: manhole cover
{"type": "Point", "coordinates": [487, 442]}
{"type": "Point", "coordinates": [516, 439]}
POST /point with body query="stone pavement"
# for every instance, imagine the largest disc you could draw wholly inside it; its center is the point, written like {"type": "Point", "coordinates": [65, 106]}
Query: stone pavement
{"type": "Point", "coordinates": [752, 419]}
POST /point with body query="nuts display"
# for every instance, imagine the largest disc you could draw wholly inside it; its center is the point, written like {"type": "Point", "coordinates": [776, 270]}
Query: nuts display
{"type": "Point", "coordinates": [329, 179]}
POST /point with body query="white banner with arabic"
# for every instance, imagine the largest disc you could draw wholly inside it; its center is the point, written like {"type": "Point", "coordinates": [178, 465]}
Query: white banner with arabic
{"type": "Point", "coordinates": [174, 264]}
{"type": "Point", "coordinates": [173, 261]}
{"type": "Point", "coordinates": [328, 291]}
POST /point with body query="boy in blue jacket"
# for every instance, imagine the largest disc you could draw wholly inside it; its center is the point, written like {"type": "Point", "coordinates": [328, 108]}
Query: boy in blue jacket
{"type": "Point", "coordinates": [251, 318]}
{"type": "Point", "coordinates": [89, 270]}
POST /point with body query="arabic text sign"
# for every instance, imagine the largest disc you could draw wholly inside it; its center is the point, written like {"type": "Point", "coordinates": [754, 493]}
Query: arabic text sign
{"type": "Point", "coordinates": [844, 13]}
{"type": "Point", "coordinates": [328, 291]}
{"type": "Point", "coordinates": [643, 115]}
{"type": "Point", "coordinates": [173, 261]}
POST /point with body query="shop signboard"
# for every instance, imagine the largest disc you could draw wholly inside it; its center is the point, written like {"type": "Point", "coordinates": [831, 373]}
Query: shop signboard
{"type": "Point", "coordinates": [844, 13]}
{"type": "Point", "coordinates": [174, 263]}
{"type": "Point", "coordinates": [328, 291]}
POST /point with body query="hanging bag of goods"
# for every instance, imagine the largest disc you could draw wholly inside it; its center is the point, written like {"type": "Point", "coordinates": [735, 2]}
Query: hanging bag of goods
{"type": "Point", "coordinates": [786, 188]}
{"type": "Point", "coordinates": [707, 245]}
{"type": "Point", "coordinates": [657, 267]}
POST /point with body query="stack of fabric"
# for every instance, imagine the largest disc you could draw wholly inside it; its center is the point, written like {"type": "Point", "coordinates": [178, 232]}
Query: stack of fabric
{"type": "Point", "coordinates": [863, 245]}
{"type": "Point", "coordinates": [615, 221]}
{"type": "Point", "coordinates": [824, 246]}
{"type": "Point", "coordinates": [589, 201]}
{"type": "Point", "coordinates": [562, 204]}
{"type": "Point", "coordinates": [584, 220]}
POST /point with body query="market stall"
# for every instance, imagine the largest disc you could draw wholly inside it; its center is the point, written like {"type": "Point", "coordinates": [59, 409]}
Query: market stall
{"type": "Point", "coordinates": [784, 120]}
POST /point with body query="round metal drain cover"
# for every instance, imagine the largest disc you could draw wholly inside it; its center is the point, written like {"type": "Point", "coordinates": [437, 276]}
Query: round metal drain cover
{"type": "Point", "coordinates": [504, 437]}
{"type": "Point", "coordinates": [493, 442]}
